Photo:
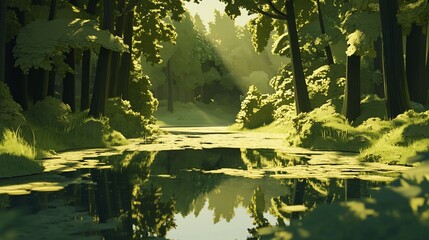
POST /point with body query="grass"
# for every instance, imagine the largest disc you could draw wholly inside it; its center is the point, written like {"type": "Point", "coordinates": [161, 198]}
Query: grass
{"type": "Point", "coordinates": [17, 156]}
{"type": "Point", "coordinates": [14, 144]}
{"type": "Point", "coordinates": [195, 114]}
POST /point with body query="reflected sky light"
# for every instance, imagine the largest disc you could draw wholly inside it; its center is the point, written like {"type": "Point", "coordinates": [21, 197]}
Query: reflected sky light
{"type": "Point", "coordinates": [202, 227]}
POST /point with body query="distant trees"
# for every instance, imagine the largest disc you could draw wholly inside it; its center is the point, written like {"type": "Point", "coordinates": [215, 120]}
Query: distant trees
{"type": "Point", "coordinates": [43, 50]}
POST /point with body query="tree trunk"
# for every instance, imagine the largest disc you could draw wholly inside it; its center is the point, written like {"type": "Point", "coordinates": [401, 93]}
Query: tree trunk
{"type": "Point", "coordinates": [3, 11]}
{"type": "Point", "coordinates": [298, 195]}
{"type": "Point", "coordinates": [40, 81]}
{"type": "Point", "coordinates": [302, 102]}
{"type": "Point", "coordinates": [86, 65]}
{"type": "Point", "coordinates": [351, 104]}
{"type": "Point", "coordinates": [116, 56]}
{"type": "Point", "coordinates": [395, 83]}
{"type": "Point", "coordinates": [86, 73]}
{"type": "Point", "coordinates": [416, 64]}
{"type": "Point", "coordinates": [328, 51]}
{"type": "Point", "coordinates": [378, 64]}
{"type": "Point", "coordinates": [101, 84]}
{"type": "Point", "coordinates": [125, 68]}
{"type": "Point", "coordinates": [169, 88]}
{"type": "Point", "coordinates": [51, 75]}
{"type": "Point", "coordinates": [68, 83]}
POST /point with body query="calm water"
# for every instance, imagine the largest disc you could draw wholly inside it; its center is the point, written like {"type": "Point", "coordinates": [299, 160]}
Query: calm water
{"type": "Point", "coordinates": [181, 194]}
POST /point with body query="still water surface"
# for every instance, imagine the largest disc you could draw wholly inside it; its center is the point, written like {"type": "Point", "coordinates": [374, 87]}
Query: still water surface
{"type": "Point", "coordinates": [223, 193]}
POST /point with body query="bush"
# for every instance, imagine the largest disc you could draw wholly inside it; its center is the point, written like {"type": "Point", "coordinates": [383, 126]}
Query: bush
{"type": "Point", "coordinates": [256, 110]}
{"type": "Point", "coordinates": [141, 98]}
{"type": "Point", "coordinates": [10, 112]}
{"type": "Point", "coordinates": [324, 128]}
{"type": "Point", "coordinates": [125, 120]}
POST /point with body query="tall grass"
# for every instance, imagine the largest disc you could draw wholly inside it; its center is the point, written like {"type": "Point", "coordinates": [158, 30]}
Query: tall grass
{"type": "Point", "coordinates": [13, 143]}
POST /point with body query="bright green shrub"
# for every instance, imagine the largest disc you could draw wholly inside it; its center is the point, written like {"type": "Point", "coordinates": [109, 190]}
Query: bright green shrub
{"type": "Point", "coordinates": [125, 120]}
{"type": "Point", "coordinates": [141, 98]}
{"type": "Point", "coordinates": [10, 112]}
{"type": "Point", "coordinates": [256, 110]}
{"type": "Point", "coordinates": [324, 128]}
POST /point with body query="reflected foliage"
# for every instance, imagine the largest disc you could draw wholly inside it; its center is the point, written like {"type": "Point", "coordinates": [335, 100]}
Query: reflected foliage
{"type": "Point", "coordinates": [151, 216]}
{"type": "Point", "coordinates": [398, 211]}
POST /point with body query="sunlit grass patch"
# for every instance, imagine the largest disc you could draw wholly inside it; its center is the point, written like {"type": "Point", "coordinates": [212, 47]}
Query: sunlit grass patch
{"type": "Point", "coordinates": [14, 144]}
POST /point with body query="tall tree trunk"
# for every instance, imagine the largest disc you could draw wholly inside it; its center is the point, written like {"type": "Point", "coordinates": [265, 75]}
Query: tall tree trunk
{"type": "Point", "coordinates": [395, 83]}
{"type": "Point", "coordinates": [69, 95]}
{"type": "Point", "coordinates": [86, 65]}
{"type": "Point", "coordinates": [86, 73]}
{"type": "Point", "coordinates": [23, 90]}
{"type": "Point", "coordinates": [125, 68]}
{"type": "Point", "coordinates": [51, 75]}
{"type": "Point", "coordinates": [3, 11]}
{"type": "Point", "coordinates": [40, 79]}
{"type": "Point", "coordinates": [15, 78]}
{"type": "Point", "coordinates": [101, 84]}
{"type": "Point", "coordinates": [302, 101]}
{"type": "Point", "coordinates": [170, 106]}
{"type": "Point", "coordinates": [351, 104]}
{"type": "Point", "coordinates": [416, 64]}
{"type": "Point", "coordinates": [116, 56]}
{"type": "Point", "coordinates": [328, 51]}
{"type": "Point", "coordinates": [378, 64]}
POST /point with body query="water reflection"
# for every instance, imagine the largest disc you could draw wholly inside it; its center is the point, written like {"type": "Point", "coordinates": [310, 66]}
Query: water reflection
{"type": "Point", "coordinates": [179, 194]}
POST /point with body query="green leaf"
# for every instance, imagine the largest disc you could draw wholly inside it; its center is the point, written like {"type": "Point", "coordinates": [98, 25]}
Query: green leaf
{"type": "Point", "coordinates": [39, 42]}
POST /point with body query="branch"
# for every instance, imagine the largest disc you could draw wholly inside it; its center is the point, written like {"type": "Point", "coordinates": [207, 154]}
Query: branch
{"type": "Point", "coordinates": [275, 9]}
{"type": "Point", "coordinates": [268, 14]}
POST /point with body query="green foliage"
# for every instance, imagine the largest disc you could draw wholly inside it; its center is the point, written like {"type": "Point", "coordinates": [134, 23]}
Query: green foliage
{"type": "Point", "coordinates": [256, 110]}
{"type": "Point", "coordinates": [415, 11]}
{"type": "Point", "coordinates": [13, 143]}
{"type": "Point", "coordinates": [141, 98]}
{"type": "Point", "coordinates": [261, 28]}
{"type": "Point", "coordinates": [401, 138]}
{"type": "Point", "coordinates": [122, 118]}
{"type": "Point", "coordinates": [326, 83]}
{"type": "Point", "coordinates": [399, 211]}
{"type": "Point", "coordinates": [40, 44]}
{"type": "Point", "coordinates": [50, 113]}
{"type": "Point", "coordinates": [324, 128]}
{"type": "Point", "coordinates": [10, 112]}
{"type": "Point", "coordinates": [151, 216]}
{"type": "Point", "coordinates": [361, 30]}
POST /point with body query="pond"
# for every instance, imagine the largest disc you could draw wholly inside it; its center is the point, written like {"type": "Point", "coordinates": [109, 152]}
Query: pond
{"type": "Point", "coordinates": [218, 193]}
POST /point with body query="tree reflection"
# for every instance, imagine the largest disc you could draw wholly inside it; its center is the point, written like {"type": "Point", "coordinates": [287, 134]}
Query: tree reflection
{"type": "Point", "coordinates": [151, 217]}
{"type": "Point", "coordinates": [256, 210]}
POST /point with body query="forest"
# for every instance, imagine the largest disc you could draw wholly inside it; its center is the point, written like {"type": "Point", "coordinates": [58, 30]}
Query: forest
{"type": "Point", "coordinates": [327, 99]}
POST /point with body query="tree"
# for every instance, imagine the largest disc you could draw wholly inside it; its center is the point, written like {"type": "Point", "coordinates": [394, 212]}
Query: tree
{"type": "Point", "coordinates": [268, 13]}
{"type": "Point", "coordinates": [395, 84]}
{"type": "Point", "coordinates": [101, 84]}
{"type": "Point", "coordinates": [86, 64]}
{"type": "Point", "coordinates": [328, 51]}
{"type": "Point", "coordinates": [414, 17]}
{"type": "Point", "coordinates": [2, 40]}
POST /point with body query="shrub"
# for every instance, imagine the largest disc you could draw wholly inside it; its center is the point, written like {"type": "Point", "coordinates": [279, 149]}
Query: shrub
{"type": "Point", "coordinates": [256, 110]}
{"type": "Point", "coordinates": [10, 112]}
{"type": "Point", "coordinates": [124, 119]}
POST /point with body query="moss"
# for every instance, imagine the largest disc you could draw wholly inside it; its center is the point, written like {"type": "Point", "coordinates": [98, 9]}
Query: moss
{"type": "Point", "coordinates": [400, 139]}
{"type": "Point", "coordinates": [12, 166]}
{"type": "Point", "coordinates": [324, 128]}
